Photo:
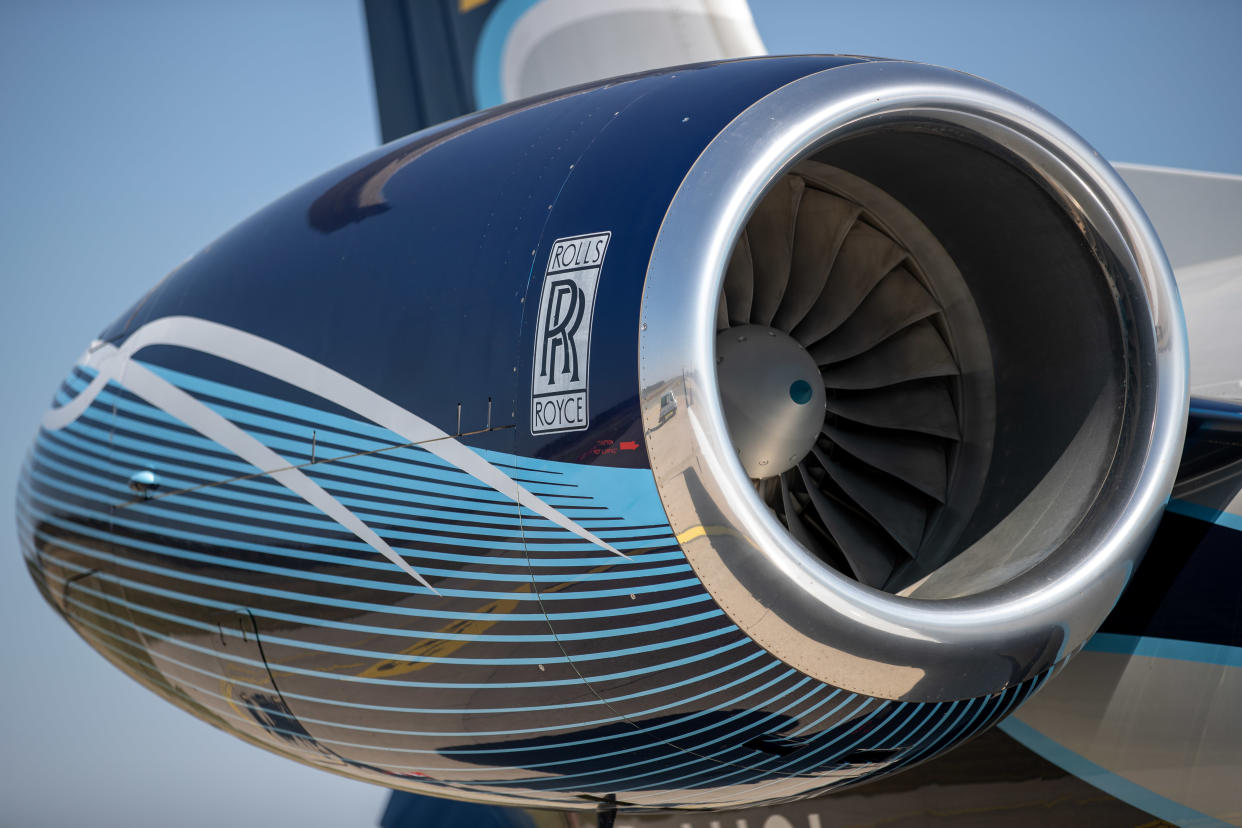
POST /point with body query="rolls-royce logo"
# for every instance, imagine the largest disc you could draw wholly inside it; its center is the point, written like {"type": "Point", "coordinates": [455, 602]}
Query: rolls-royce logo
{"type": "Point", "coordinates": [563, 318]}
{"type": "Point", "coordinates": [560, 394]}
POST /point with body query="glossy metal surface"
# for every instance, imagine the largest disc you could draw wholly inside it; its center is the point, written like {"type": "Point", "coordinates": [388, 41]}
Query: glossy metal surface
{"type": "Point", "coordinates": [772, 395]}
{"type": "Point", "coordinates": [814, 619]}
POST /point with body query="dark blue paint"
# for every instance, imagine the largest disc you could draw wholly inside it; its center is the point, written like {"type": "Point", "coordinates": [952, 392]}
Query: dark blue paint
{"type": "Point", "coordinates": [414, 269]}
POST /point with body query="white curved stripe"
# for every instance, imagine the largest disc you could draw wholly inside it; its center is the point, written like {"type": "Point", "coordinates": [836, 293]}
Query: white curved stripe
{"type": "Point", "coordinates": [113, 364]}
{"type": "Point", "coordinates": [295, 369]}
{"type": "Point", "coordinates": [103, 360]}
{"type": "Point", "coordinates": [167, 397]}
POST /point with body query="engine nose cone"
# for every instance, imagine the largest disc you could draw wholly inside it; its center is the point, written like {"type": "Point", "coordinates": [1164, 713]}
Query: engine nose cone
{"type": "Point", "coordinates": [773, 397]}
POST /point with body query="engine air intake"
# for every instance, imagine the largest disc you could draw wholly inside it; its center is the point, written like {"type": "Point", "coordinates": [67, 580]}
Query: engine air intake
{"type": "Point", "coordinates": [933, 376]}
{"type": "Point", "coordinates": [822, 264]}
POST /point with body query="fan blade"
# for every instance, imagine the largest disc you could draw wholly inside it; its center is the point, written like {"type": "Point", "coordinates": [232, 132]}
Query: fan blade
{"type": "Point", "coordinates": [768, 490]}
{"type": "Point", "coordinates": [823, 222]}
{"type": "Point", "coordinates": [899, 511]}
{"type": "Point", "coordinates": [917, 352]}
{"type": "Point", "coordinates": [771, 232]}
{"type": "Point", "coordinates": [913, 458]}
{"type": "Point", "coordinates": [722, 312]}
{"type": "Point", "coordinates": [866, 257]}
{"type": "Point", "coordinates": [739, 283]}
{"type": "Point", "coordinates": [923, 405]}
{"type": "Point", "coordinates": [897, 302]}
{"type": "Point", "coordinates": [792, 520]}
{"type": "Point", "coordinates": [866, 551]}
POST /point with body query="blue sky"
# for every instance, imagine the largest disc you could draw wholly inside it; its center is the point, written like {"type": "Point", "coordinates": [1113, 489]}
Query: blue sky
{"type": "Point", "coordinates": [1146, 82]}
{"type": "Point", "coordinates": [134, 133]}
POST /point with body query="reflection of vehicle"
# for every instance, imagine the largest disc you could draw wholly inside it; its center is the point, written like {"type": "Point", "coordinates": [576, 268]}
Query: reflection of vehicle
{"type": "Point", "coordinates": [668, 406]}
{"type": "Point", "coordinates": [444, 599]}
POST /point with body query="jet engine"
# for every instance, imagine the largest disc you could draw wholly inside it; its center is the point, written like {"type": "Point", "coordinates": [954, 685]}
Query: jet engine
{"type": "Point", "coordinates": [699, 438]}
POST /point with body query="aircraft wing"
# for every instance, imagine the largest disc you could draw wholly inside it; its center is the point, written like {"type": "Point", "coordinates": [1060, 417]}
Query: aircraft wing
{"type": "Point", "coordinates": [1197, 216]}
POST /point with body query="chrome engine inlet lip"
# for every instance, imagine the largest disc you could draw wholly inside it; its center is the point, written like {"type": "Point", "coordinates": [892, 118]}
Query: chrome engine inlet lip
{"type": "Point", "coordinates": [811, 617]}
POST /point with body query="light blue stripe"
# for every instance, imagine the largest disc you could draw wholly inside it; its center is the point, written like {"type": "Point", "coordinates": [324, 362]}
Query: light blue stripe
{"type": "Point", "coordinates": [362, 606]}
{"type": "Point", "coordinates": [294, 438]}
{"type": "Point", "coordinates": [79, 510]}
{"type": "Point", "coordinates": [210, 499]}
{"type": "Point", "coordinates": [261, 491]}
{"type": "Point", "coordinates": [990, 711]}
{"type": "Point", "coordinates": [1107, 781]}
{"type": "Point", "coordinates": [386, 708]}
{"type": "Point", "coordinates": [233, 543]}
{"type": "Point", "coordinates": [490, 50]}
{"type": "Point", "coordinates": [898, 708]}
{"type": "Point", "coordinates": [231, 467]}
{"type": "Point", "coordinates": [628, 491]}
{"type": "Point", "coordinates": [73, 437]}
{"type": "Point", "coordinates": [315, 647]}
{"type": "Point", "coordinates": [517, 577]}
{"type": "Point", "coordinates": [170, 512]}
{"type": "Point", "coordinates": [217, 677]}
{"type": "Point", "coordinates": [528, 617]}
{"type": "Point", "coordinates": [717, 689]}
{"type": "Point", "coordinates": [555, 476]}
{"type": "Point", "coordinates": [171, 508]}
{"type": "Point", "coordinates": [741, 714]}
{"type": "Point", "coordinates": [942, 726]}
{"type": "Point", "coordinates": [808, 727]}
{"type": "Point", "coordinates": [432, 733]}
{"type": "Point", "coordinates": [364, 434]}
{"type": "Point", "coordinates": [1215, 410]}
{"type": "Point", "coordinates": [720, 766]}
{"type": "Point", "coordinates": [894, 736]}
{"type": "Point", "coordinates": [564, 781]}
{"type": "Point", "coordinates": [381, 748]}
{"type": "Point", "coordinates": [816, 749]}
{"type": "Point", "coordinates": [1205, 514]}
{"type": "Point", "coordinates": [774, 715]}
{"type": "Point", "coordinates": [1170, 648]}
{"type": "Point", "coordinates": [623, 492]}
{"type": "Point", "coordinates": [535, 527]}
{"type": "Point", "coordinates": [799, 760]}
{"type": "Point", "coordinates": [386, 470]}
{"type": "Point", "coordinates": [836, 691]}
{"type": "Point", "coordinates": [399, 632]}
{"type": "Point", "coordinates": [933, 715]}
{"type": "Point", "coordinates": [747, 775]}
{"type": "Point", "coordinates": [338, 677]}
{"type": "Point", "coordinates": [375, 747]}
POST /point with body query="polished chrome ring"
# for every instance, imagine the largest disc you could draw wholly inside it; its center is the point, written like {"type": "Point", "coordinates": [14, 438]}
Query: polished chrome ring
{"type": "Point", "coordinates": [811, 617]}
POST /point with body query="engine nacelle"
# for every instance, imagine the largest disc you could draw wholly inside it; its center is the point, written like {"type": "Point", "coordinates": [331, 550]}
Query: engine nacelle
{"type": "Point", "coordinates": [700, 438]}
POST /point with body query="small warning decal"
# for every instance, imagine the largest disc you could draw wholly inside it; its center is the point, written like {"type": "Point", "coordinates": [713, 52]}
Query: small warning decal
{"type": "Point", "coordinates": [560, 392]}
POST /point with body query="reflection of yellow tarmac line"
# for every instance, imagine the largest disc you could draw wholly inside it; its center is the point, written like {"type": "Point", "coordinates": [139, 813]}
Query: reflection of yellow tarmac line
{"type": "Point", "coordinates": [440, 647]}
{"type": "Point", "coordinates": [701, 531]}
{"type": "Point", "coordinates": [228, 697]}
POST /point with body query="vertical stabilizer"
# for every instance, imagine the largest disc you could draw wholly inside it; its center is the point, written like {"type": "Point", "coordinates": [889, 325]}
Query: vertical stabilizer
{"type": "Point", "coordinates": [437, 59]}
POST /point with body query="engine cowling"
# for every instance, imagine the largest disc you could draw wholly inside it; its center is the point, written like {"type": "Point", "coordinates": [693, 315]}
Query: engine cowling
{"type": "Point", "coordinates": [704, 437]}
